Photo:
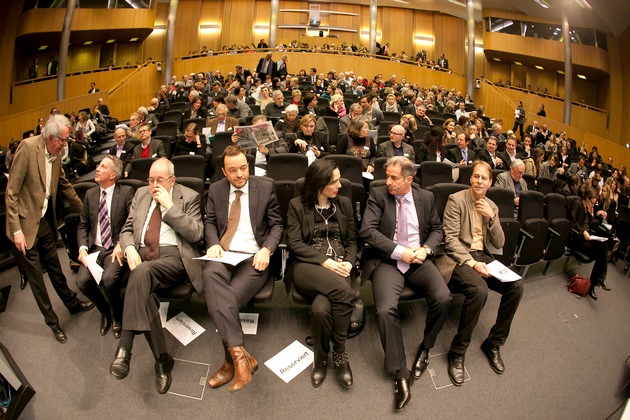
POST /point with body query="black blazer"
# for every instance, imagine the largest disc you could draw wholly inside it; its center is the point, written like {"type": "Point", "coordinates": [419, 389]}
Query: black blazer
{"type": "Point", "coordinates": [319, 140]}
{"type": "Point", "coordinates": [127, 152]}
{"type": "Point", "coordinates": [121, 202]}
{"type": "Point", "coordinates": [300, 227]}
{"type": "Point", "coordinates": [379, 225]}
{"type": "Point", "coordinates": [485, 156]}
{"type": "Point", "coordinates": [455, 155]}
{"type": "Point", "coordinates": [201, 113]}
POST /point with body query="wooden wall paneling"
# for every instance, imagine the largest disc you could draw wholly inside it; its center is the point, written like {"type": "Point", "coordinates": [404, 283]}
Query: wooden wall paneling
{"type": "Point", "coordinates": [154, 45]}
{"type": "Point", "coordinates": [40, 21]}
{"type": "Point", "coordinates": [584, 91]}
{"type": "Point", "coordinates": [519, 76]}
{"type": "Point", "coordinates": [424, 26]}
{"type": "Point", "coordinates": [498, 71]}
{"type": "Point", "coordinates": [541, 79]}
{"type": "Point", "coordinates": [394, 22]}
{"type": "Point", "coordinates": [128, 53]}
{"type": "Point", "coordinates": [452, 33]}
{"type": "Point", "coordinates": [8, 68]}
{"type": "Point", "coordinates": [262, 14]}
{"type": "Point", "coordinates": [186, 27]}
{"type": "Point", "coordinates": [135, 90]}
{"type": "Point", "coordinates": [214, 12]}
{"type": "Point", "coordinates": [83, 57]}
{"type": "Point", "coordinates": [619, 86]}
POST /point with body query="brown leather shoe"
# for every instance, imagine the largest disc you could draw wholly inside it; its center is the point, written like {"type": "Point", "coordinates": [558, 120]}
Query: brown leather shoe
{"type": "Point", "coordinates": [222, 376]}
{"type": "Point", "coordinates": [244, 366]}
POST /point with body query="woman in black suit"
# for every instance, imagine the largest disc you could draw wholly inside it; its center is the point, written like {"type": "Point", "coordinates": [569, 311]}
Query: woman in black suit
{"type": "Point", "coordinates": [321, 236]}
{"type": "Point", "coordinates": [582, 221]}
{"type": "Point", "coordinates": [196, 110]}
{"type": "Point", "coordinates": [310, 140]}
{"type": "Point", "coordinates": [432, 146]}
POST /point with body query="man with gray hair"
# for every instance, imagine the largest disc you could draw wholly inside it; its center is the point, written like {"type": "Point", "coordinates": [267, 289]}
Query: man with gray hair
{"type": "Point", "coordinates": [513, 180]}
{"type": "Point", "coordinates": [238, 110]}
{"type": "Point", "coordinates": [275, 109]}
{"type": "Point", "coordinates": [147, 118]}
{"type": "Point", "coordinates": [35, 177]}
{"type": "Point", "coordinates": [105, 210]}
{"type": "Point", "coordinates": [403, 229]}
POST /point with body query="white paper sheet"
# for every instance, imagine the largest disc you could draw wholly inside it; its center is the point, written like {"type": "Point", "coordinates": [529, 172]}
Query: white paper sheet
{"type": "Point", "coordinates": [598, 238]}
{"type": "Point", "coordinates": [184, 328]}
{"type": "Point", "coordinates": [291, 361]}
{"type": "Point", "coordinates": [231, 258]}
{"type": "Point", "coordinates": [163, 312]}
{"type": "Point", "coordinates": [259, 171]}
{"type": "Point", "coordinates": [501, 272]}
{"type": "Point", "coordinates": [367, 175]}
{"type": "Point", "coordinates": [95, 269]}
{"type": "Point", "coordinates": [249, 323]}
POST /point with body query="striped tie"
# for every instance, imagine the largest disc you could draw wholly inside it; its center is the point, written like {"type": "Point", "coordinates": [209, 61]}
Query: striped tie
{"type": "Point", "coordinates": [103, 221]}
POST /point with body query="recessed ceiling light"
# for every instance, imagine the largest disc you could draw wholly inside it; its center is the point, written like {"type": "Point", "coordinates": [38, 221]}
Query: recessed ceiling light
{"type": "Point", "coordinates": [457, 3]}
{"type": "Point", "coordinates": [496, 59]}
{"type": "Point", "coordinates": [543, 4]}
{"type": "Point", "coordinates": [518, 63]}
{"type": "Point", "coordinates": [560, 71]}
{"type": "Point", "coordinates": [581, 76]}
{"type": "Point", "coordinates": [110, 41]}
{"type": "Point", "coordinates": [43, 47]}
{"type": "Point", "coordinates": [88, 42]}
{"type": "Point", "coordinates": [134, 39]}
{"type": "Point", "coordinates": [539, 67]}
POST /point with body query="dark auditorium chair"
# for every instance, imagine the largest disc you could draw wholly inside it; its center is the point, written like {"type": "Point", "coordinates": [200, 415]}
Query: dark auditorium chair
{"type": "Point", "coordinates": [559, 228]}
{"type": "Point", "coordinates": [544, 185]}
{"type": "Point", "coordinates": [140, 168]}
{"type": "Point", "coordinates": [379, 168]}
{"type": "Point", "coordinates": [201, 123]}
{"type": "Point", "coordinates": [166, 128]}
{"type": "Point", "coordinates": [465, 172]}
{"type": "Point", "coordinates": [534, 228]}
{"type": "Point", "coordinates": [531, 181]}
{"type": "Point", "coordinates": [504, 199]}
{"type": "Point", "coordinates": [174, 115]}
{"type": "Point", "coordinates": [350, 167]}
{"type": "Point", "coordinates": [133, 183]}
{"type": "Point", "coordinates": [432, 173]}
{"type": "Point", "coordinates": [581, 257]}
{"type": "Point", "coordinates": [289, 166]}
{"type": "Point", "coordinates": [332, 123]}
{"type": "Point", "coordinates": [442, 191]}
{"type": "Point", "coordinates": [178, 106]}
{"type": "Point", "coordinates": [391, 117]}
{"type": "Point", "coordinates": [168, 141]}
{"type": "Point", "coordinates": [189, 166]}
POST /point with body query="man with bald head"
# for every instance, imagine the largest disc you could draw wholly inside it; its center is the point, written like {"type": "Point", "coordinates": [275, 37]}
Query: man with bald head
{"type": "Point", "coordinates": [395, 145]}
{"type": "Point", "coordinates": [123, 149]}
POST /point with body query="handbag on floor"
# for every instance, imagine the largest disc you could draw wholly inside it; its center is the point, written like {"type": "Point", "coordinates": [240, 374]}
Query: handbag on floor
{"type": "Point", "coordinates": [579, 285]}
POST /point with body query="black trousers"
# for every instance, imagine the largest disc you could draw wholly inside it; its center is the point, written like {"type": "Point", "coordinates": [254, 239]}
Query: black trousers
{"type": "Point", "coordinates": [387, 285]}
{"type": "Point", "coordinates": [599, 252]}
{"type": "Point", "coordinates": [107, 298]}
{"type": "Point", "coordinates": [229, 288]}
{"type": "Point", "coordinates": [467, 281]}
{"type": "Point", "coordinates": [332, 306]}
{"type": "Point", "coordinates": [44, 253]}
{"type": "Point", "coordinates": [141, 302]}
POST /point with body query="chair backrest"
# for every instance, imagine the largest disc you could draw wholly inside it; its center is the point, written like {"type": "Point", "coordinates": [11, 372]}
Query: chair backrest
{"type": "Point", "coordinates": [194, 184]}
{"type": "Point", "coordinates": [166, 128]}
{"type": "Point", "coordinates": [221, 141]}
{"type": "Point", "coordinates": [530, 180]}
{"type": "Point", "coordinates": [323, 103]}
{"type": "Point", "coordinates": [133, 183]}
{"type": "Point", "coordinates": [504, 199]}
{"type": "Point", "coordinates": [531, 205]}
{"type": "Point", "coordinates": [290, 166]}
{"type": "Point", "coordinates": [384, 127]}
{"type": "Point", "coordinates": [168, 144]}
{"type": "Point", "coordinates": [189, 166]}
{"type": "Point", "coordinates": [285, 191]}
{"type": "Point", "coordinates": [432, 173]}
{"type": "Point", "coordinates": [201, 123]}
{"type": "Point", "coordinates": [555, 206]}
{"type": "Point", "coordinates": [391, 116]}
{"type": "Point", "coordinates": [465, 172]}
{"type": "Point", "coordinates": [442, 191]}
{"type": "Point", "coordinates": [255, 109]}
{"type": "Point", "coordinates": [351, 97]}
{"type": "Point", "coordinates": [421, 131]}
{"type": "Point", "coordinates": [82, 187]}
{"type": "Point", "coordinates": [332, 123]}
{"type": "Point", "coordinates": [544, 185]}
{"type": "Point", "coordinates": [437, 122]}
{"type": "Point", "coordinates": [570, 199]}
{"type": "Point", "coordinates": [140, 168]}
{"type": "Point", "coordinates": [379, 167]}
{"type": "Point", "coordinates": [174, 115]}
{"type": "Point", "coordinates": [178, 106]}
{"type": "Point", "coordinates": [495, 173]}
{"type": "Point", "coordinates": [350, 166]}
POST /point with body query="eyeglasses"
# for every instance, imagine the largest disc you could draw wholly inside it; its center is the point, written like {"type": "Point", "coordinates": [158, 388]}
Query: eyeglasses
{"type": "Point", "coordinates": [160, 180]}
{"type": "Point", "coordinates": [143, 131]}
{"type": "Point", "coordinates": [64, 140]}
{"type": "Point", "coordinates": [396, 134]}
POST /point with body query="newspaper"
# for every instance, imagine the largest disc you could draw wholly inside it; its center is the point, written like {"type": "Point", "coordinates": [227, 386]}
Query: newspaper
{"type": "Point", "coordinates": [252, 136]}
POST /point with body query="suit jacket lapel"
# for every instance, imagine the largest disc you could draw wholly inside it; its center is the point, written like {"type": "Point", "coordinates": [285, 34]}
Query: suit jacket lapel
{"type": "Point", "coordinates": [113, 214]}
{"type": "Point", "coordinates": [253, 204]}
{"type": "Point", "coordinates": [419, 213]}
{"type": "Point", "coordinates": [142, 213]}
{"type": "Point", "coordinates": [41, 161]}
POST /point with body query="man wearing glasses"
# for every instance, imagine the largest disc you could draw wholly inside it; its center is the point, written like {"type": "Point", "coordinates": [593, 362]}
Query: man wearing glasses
{"type": "Point", "coordinates": [395, 145]}
{"type": "Point", "coordinates": [513, 180]}
{"type": "Point", "coordinates": [36, 176]}
{"type": "Point", "coordinates": [148, 147]}
{"type": "Point", "coordinates": [159, 241]}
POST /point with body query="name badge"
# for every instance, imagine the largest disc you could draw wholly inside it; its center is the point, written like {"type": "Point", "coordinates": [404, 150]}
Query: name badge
{"type": "Point", "coordinates": [191, 153]}
{"type": "Point", "coordinates": [154, 155]}
{"type": "Point", "coordinates": [406, 154]}
{"type": "Point", "coordinates": [123, 151]}
{"type": "Point", "coordinates": [366, 148]}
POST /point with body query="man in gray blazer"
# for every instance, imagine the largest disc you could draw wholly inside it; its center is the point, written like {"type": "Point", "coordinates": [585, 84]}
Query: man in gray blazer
{"type": "Point", "coordinates": [513, 180]}
{"type": "Point", "coordinates": [159, 241]}
{"type": "Point", "coordinates": [471, 230]}
{"type": "Point", "coordinates": [403, 229]}
{"type": "Point", "coordinates": [242, 215]}
{"type": "Point", "coordinates": [395, 145]}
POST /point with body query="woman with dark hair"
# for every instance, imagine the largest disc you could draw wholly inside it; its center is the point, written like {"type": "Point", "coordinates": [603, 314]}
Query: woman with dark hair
{"type": "Point", "coordinates": [310, 140]}
{"type": "Point", "coordinates": [532, 165]}
{"type": "Point", "coordinates": [196, 109]}
{"type": "Point", "coordinates": [461, 126]}
{"type": "Point", "coordinates": [321, 235]}
{"type": "Point", "coordinates": [581, 223]}
{"type": "Point", "coordinates": [357, 142]}
{"type": "Point", "coordinates": [432, 146]}
{"type": "Point", "coordinates": [302, 76]}
{"type": "Point", "coordinates": [190, 143]}
{"type": "Point", "coordinates": [541, 111]}
{"type": "Point", "coordinates": [449, 127]}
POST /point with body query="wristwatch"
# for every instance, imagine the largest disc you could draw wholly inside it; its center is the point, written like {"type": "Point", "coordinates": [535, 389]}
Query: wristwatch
{"type": "Point", "coordinates": [428, 250]}
{"type": "Point", "coordinates": [493, 218]}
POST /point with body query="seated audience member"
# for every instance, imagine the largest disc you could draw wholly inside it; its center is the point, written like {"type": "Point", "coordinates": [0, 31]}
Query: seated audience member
{"type": "Point", "coordinates": [432, 147]}
{"type": "Point", "coordinates": [159, 241]}
{"type": "Point", "coordinates": [242, 215]}
{"type": "Point", "coordinates": [371, 114]}
{"type": "Point", "coordinates": [148, 147]}
{"type": "Point", "coordinates": [461, 110]}
{"type": "Point", "coordinates": [357, 142]}
{"type": "Point", "coordinates": [462, 154]}
{"type": "Point", "coordinates": [489, 154]}
{"type": "Point", "coordinates": [354, 113]}
{"type": "Point", "coordinates": [222, 122]}
{"type": "Point", "coordinates": [476, 141]}
{"type": "Point", "coordinates": [571, 187]}
{"type": "Point", "coordinates": [337, 107]}
{"type": "Point", "coordinates": [391, 105]}
{"type": "Point", "coordinates": [146, 118]}
{"type": "Point", "coordinates": [191, 142]}
{"type": "Point", "coordinates": [579, 168]}
{"type": "Point", "coordinates": [471, 227]}
{"type": "Point", "coordinates": [395, 146]}
{"type": "Point", "coordinates": [532, 165]}
{"type": "Point", "coordinates": [403, 229]}
{"type": "Point", "coordinates": [264, 98]}
{"type": "Point", "coordinates": [321, 236]}
{"type": "Point", "coordinates": [422, 118]}
{"type": "Point", "coordinates": [408, 122]}
{"type": "Point", "coordinates": [525, 149]}
{"type": "Point", "coordinates": [105, 210]}
{"type": "Point", "coordinates": [289, 124]}
{"type": "Point", "coordinates": [461, 126]}
{"type": "Point", "coordinates": [310, 141]}
{"type": "Point", "coordinates": [510, 154]}
{"type": "Point", "coordinates": [449, 126]}
{"type": "Point", "coordinates": [513, 180]}
{"type": "Point", "coordinates": [238, 110]}
{"type": "Point", "coordinates": [196, 110]}
{"type": "Point", "coordinates": [134, 125]}
{"type": "Point", "coordinates": [263, 151]}
{"type": "Point", "coordinates": [582, 222]}
{"type": "Point", "coordinates": [276, 109]}
{"type": "Point", "coordinates": [549, 169]}
{"type": "Point", "coordinates": [309, 104]}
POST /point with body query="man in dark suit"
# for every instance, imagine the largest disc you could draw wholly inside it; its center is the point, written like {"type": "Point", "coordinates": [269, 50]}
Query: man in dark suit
{"type": "Point", "coordinates": [443, 62]}
{"type": "Point", "coordinates": [461, 155]}
{"type": "Point", "coordinates": [510, 154]}
{"type": "Point", "coordinates": [148, 147]}
{"type": "Point", "coordinates": [93, 88]}
{"type": "Point", "coordinates": [242, 215]}
{"type": "Point", "coordinates": [123, 149]}
{"type": "Point", "coordinates": [265, 67]}
{"type": "Point", "coordinates": [489, 154]}
{"type": "Point", "coordinates": [471, 230]}
{"type": "Point", "coordinates": [36, 175]}
{"type": "Point", "coordinates": [105, 210]}
{"type": "Point", "coordinates": [103, 108]}
{"type": "Point", "coordinates": [159, 241]}
{"type": "Point", "coordinates": [403, 229]}
{"type": "Point", "coordinates": [395, 145]}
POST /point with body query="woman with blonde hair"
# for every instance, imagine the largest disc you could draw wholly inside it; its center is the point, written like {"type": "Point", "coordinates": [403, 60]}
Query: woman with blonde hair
{"type": "Point", "coordinates": [337, 106]}
{"type": "Point", "coordinates": [391, 105]}
{"type": "Point", "coordinates": [408, 121]}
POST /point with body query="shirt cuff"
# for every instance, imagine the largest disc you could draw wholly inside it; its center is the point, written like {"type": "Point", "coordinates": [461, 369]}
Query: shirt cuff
{"type": "Point", "coordinates": [471, 263]}
{"type": "Point", "coordinates": [125, 251]}
{"type": "Point", "coordinates": [398, 253]}
{"type": "Point", "coordinates": [19, 231]}
{"type": "Point", "coordinates": [83, 247]}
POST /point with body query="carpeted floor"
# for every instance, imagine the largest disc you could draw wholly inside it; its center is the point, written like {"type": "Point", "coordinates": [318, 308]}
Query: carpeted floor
{"type": "Point", "coordinates": [565, 359]}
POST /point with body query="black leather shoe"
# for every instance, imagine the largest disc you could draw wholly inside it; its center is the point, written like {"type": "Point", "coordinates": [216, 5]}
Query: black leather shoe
{"type": "Point", "coordinates": [402, 392]}
{"type": "Point", "coordinates": [163, 369]}
{"type": "Point", "coordinates": [357, 319]}
{"type": "Point", "coordinates": [106, 323]}
{"type": "Point", "coordinates": [342, 369]}
{"type": "Point", "coordinates": [84, 305]}
{"type": "Point", "coordinates": [456, 368]}
{"type": "Point", "coordinates": [605, 286]}
{"type": "Point", "coordinates": [59, 334]}
{"type": "Point", "coordinates": [116, 329]}
{"type": "Point", "coordinates": [421, 363]}
{"type": "Point", "coordinates": [22, 282]}
{"type": "Point", "coordinates": [119, 368]}
{"type": "Point", "coordinates": [320, 369]}
{"type": "Point", "coordinates": [494, 357]}
{"type": "Point", "coordinates": [592, 294]}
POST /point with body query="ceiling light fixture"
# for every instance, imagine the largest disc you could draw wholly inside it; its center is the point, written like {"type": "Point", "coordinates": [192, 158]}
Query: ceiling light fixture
{"type": "Point", "coordinates": [88, 42]}
{"type": "Point", "coordinates": [540, 67]}
{"type": "Point", "coordinates": [457, 3]}
{"type": "Point", "coordinates": [518, 63]}
{"type": "Point", "coordinates": [134, 39]}
{"type": "Point", "coordinates": [43, 47]}
{"type": "Point", "coordinates": [110, 41]}
{"type": "Point", "coordinates": [543, 4]}
{"type": "Point", "coordinates": [560, 71]}
{"type": "Point", "coordinates": [496, 59]}
{"type": "Point", "coordinates": [502, 25]}
{"type": "Point", "coordinates": [581, 76]}
{"type": "Point", "coordinates": [583, 4]}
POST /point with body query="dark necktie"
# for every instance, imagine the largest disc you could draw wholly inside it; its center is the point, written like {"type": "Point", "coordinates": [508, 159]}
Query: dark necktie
{"type": "Point", "coordinates": [152, 235]}
{"type": "Point", "coordinates": [402, 237]}
{"type": "Point", "coordinates": [103, 222]}
{"type": "Point", "coordinates": [233, 219]}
